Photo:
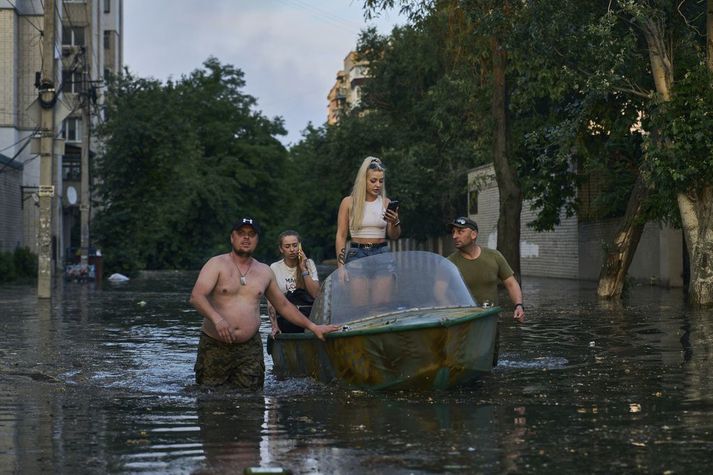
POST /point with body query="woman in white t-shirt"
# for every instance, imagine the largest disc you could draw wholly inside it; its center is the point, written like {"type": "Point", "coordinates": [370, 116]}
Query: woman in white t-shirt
{"type": "Point", "coordinates": [295, 275]}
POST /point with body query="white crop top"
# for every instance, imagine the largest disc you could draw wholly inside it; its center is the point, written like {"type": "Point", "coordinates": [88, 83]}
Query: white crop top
{"type": "Point", "coordinates": [373, 224]}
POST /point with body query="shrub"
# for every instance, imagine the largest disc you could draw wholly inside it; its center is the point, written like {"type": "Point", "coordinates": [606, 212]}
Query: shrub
{"type": "Point", "coordinates": [25, 262]}
{"type": "Point", "coordinates": [7, 267]}
{"type": "Point", "coordinates": [19, 264]}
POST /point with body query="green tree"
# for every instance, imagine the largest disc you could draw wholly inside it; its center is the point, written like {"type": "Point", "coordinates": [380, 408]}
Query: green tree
{"type": "Point", "coordinates": [666, 29]}
{"type": "Point", "coordinates": [614, 61]}
{"type": "Point", "coordinates": [321, 170]}
{"type": "Point", "coordinates": [680, 163]}
{"type": "Point", "coordinates": [417, 115]}
{"type": "Point", "coordinates": [181, 161]}
{"type": "Point", "coordinates": [484, 27]}
{"type": "Point", "coordinates": [426, 99]}
{"type": "Point", "coordinates": [576, 99]}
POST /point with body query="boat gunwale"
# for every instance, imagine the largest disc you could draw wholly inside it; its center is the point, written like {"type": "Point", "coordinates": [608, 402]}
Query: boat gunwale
{"type": "Point", "coordinates": [440, 323]}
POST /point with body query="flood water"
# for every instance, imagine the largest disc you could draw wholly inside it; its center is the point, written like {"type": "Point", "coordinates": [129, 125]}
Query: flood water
{"type": "Point", "coordinates": [101, 380]}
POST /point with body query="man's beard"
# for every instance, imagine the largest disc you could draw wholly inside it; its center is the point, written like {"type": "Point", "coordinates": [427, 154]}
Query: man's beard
{"type": "Point", "coordinates": [241, 253]}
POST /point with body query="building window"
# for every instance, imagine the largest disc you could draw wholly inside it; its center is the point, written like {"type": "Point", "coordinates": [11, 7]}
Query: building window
{"type": "Point", "coordinates": [72, 36]}
{"type": "Point", "coordinates": [72, 130]}
{"type": "Point", "coordinates": [71, 82]}
{"type": "Point", "coordinates": [107, 6]}
{"type": "Point", "coordinates": [107, 39]}
{"type": "Point", "coordinates": [473, 202]}
{"type": "Point", "coordinates": [71, 168]}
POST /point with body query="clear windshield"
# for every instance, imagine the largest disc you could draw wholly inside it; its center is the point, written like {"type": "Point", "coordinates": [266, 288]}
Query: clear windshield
{"type": "Point", "coordinates": [390, 282]}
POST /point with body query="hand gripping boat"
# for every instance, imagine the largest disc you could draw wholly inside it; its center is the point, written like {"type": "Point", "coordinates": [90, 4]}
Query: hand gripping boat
{"type": "Point", "coordinates": [407, 321]}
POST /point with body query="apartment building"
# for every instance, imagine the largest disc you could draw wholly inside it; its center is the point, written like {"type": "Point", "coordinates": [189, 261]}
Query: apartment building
{"type": "Point", "coordinates": [345, 95]}
{"type": "Point", "coordinates": [88, 43]}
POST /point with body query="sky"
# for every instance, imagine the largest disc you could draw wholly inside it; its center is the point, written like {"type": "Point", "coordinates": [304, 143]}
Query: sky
{"type": "Point", "coordinates": [289, 50]}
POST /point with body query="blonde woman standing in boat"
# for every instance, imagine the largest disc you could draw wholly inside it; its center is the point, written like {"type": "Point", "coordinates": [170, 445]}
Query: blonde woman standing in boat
{"type": "Point", "coordinates": [366, 218]}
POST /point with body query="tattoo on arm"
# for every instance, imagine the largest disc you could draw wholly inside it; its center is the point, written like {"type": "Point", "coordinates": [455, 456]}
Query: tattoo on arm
{"type": "Point", "coordinates": [342, 256]}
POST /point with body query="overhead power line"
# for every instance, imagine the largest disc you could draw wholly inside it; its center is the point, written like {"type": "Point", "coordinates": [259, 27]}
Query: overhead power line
{"type": "Point", "coordinates": [27, 140]}
{"type": "Point", "coordinates": [12, 4]}
{"type": "Point", "coordinates": [324, 15]}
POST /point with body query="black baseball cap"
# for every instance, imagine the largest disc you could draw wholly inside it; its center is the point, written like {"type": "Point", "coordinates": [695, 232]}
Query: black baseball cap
{"type": "Point", "coordinates": [463, 222]}
{"type": "Point", "coordinates": [246, 221]}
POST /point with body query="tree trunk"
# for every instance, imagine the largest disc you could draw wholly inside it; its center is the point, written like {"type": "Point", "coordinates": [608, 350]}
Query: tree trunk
{"type": "Point", "coordinates": [510, 193]}
{"type": "Point", "coordinates": [659, 57]}
{"type": "Point", "coordinates": [626, 240]}
{"type": "Point", "coordinates": [697, 217]}
{"type": "Point", "coordinates": [623, 247]}
{"type": "Point", "coordinates": [696, 208]}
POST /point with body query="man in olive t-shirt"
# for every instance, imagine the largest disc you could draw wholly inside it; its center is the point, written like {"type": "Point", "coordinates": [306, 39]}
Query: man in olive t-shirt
{"type": "Point", "coordinates": [481, 267]}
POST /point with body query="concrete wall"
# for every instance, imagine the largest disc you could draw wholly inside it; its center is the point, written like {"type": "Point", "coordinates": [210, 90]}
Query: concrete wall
{"type": "Point", "coordinates": [544, 254]}
{"type": "Point", "coordinates": [658, 259]}
{"type": "Point", "coordinates": [576, 250]}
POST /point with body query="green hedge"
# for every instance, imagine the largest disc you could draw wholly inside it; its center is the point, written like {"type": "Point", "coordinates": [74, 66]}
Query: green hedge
{"type": "Point", "coordinates": [19, 264]}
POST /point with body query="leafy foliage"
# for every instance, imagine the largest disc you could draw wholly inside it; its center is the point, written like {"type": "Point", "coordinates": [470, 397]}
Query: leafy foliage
{"type": "Point", "coordinates": [181, 162]}
{"type": "Point", "coordinates": [418, 114]}
{"type": "Point", "coordinates": [17, 265]}
{"type": "Point", "coordinates": [680, 155]}
{"type": "Point", "coordinates": [433, 106]}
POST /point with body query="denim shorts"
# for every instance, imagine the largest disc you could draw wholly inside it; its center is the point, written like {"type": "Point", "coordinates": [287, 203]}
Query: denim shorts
{"type": "Point", "coordinates": [355, 253]}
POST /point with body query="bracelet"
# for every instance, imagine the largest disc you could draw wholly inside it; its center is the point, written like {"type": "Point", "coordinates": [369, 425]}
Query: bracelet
{"type": "Point", "coordinates": [397, 223]}
{"type": "Point", "coordinates": [305, 273]}
{"type": "Point", "coordinates": [519, 305]}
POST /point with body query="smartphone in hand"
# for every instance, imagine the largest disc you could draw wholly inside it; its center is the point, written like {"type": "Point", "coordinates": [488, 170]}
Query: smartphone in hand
{"type": "Point", "coordinates": [393, 206]}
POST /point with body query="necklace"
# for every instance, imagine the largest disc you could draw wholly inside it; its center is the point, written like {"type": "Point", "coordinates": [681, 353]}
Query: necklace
{"type": "Point", "coordinates": [243, 280]}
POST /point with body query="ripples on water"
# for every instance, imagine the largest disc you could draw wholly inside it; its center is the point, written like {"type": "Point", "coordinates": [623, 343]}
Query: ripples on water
{"type": "Point", "coordinates": [102, 381]}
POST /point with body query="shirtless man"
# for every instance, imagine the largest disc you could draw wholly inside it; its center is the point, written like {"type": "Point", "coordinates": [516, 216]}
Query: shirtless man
{"type": "Point", "coordinates": [227, 294]}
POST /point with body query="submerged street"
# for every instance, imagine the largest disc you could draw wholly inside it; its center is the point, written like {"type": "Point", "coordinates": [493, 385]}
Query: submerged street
{"type": "Point", "coordinates": [101, 380]}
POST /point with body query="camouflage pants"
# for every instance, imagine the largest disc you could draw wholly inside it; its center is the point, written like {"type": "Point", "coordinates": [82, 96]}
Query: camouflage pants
{"type": "Point", "coordinates": [237, 364]}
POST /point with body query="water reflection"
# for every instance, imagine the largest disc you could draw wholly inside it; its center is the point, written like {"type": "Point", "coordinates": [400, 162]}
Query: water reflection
{"type": "Point", "coordinates": [101, 380]}
{"type": "Point", "coordinates": [230, 432]}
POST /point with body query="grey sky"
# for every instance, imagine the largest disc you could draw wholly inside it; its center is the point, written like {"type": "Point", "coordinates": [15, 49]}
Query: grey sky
{"type": "Point", "coordinates": [289, 50]}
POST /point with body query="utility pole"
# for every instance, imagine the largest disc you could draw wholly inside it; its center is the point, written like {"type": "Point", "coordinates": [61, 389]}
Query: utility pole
{"type": "Point", "coordinates": [48, 96]}
{"type": "Point", "coordinates": [86, 98]}
{"type": "Point", "coordinates": [85, 194]}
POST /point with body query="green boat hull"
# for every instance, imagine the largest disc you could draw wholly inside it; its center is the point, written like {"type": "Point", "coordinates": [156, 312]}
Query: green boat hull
{"type": "Point", "coordinates": [414, 349]}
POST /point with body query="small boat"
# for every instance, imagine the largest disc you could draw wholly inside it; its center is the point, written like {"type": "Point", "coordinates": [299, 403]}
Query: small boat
{"type": "Point", "coordinates": [407, 322]}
